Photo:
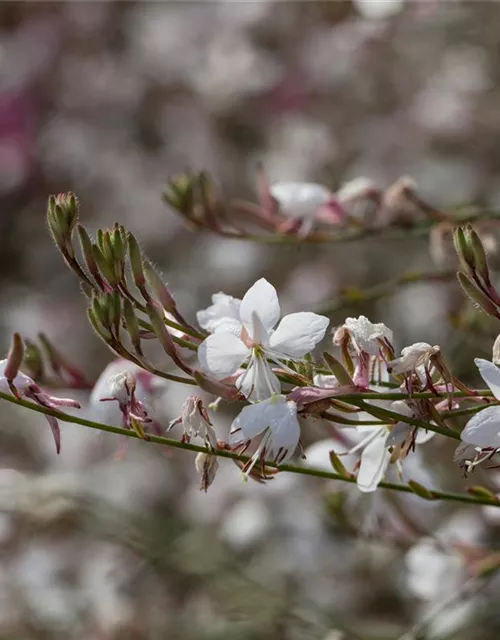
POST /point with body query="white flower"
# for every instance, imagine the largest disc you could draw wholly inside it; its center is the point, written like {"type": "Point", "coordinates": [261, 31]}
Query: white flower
{"type": "Point", "coordinates": [300, 199]}
{"type": "Point", "coordinates": [223, 313]}
{"type": "Point", "coordinates": [27, 387]}
{"type": "Point", "coordinates": [483, 429]}
{"type": "Point", "coordinates": [223, 352]}
{"type": "Point", "coordinates": [357, 189]}
{"type": "Point", "coordinates": [207, 466]}
{"type": "Point", "coordinates": [377, 447]}
{"type": "Point", "coordinates": [194, 418]}
{"type": "Point", "coordinates": [131, 388]}
{"type": "Point", "coordinates": [414, 356]}
{"type": "Point", "coordinates": [366, 335]}
{"type": "Point", "coordinates": [275, 420]}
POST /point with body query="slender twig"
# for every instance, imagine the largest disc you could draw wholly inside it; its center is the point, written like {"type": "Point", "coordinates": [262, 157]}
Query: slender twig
{"type": "Point", "coordinates": [224, 453]}
{"type": "Point", "coordinates": [351, 296]}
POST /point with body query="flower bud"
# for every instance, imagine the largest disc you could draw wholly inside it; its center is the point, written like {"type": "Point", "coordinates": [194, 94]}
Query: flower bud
{"type": "Point", "coordinates": [105, 265]}
{"type": "Point", "coordinates": [14, 359]}
{"type": "Point", "coordinates": [206, 465]}
{"type": "Point", "coordinates": [135, 256]}
{"type": "Point", "coordinates": [463, 249]}
{"type": "Point", "coordinates": [33, 361]}
{"type": "Point", "coordinates": [180, 194]}
{"type": "Point", "coordinates": [132, 325]}
{"type": "Point", "coordinates": [477, 295]}
{"type": "Point", "coordinates": [337, 369]}
{"type": "Point", "coordinates": [160, 289]}
{"type": "Point", "coordinates": [88, 254]}
{"type": "Point", "coordinates": [196, 422]}
{"type": "Point", "coordinates": [480, 261]}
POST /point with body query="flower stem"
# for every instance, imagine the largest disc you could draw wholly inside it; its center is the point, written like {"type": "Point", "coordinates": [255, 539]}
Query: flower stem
{"type": "Point", "coordinates": [290, 468]}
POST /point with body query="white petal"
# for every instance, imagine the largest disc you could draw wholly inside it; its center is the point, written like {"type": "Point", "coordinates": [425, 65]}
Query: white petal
{"type": "Point", "coordinates": [298, 333]}
{"type": "Point", "coordinates": [221, 354]}
{"type": "Point", "coordinates": [276, 414]}
{"type": "Point", "coordinates": [490, 373]}
{"type": "Point", "coordinates": [300, 199]}
{"type": "Point", "coordinates": [261, 299]}
{"type": "Point", "coordinates": [223, 312]}
{"type": "Point", "coordinates": [258, 382]}
{"type": "Point", "coordinates": [483, 429]}
{"type": "Point", "coordinates": [374, 461]}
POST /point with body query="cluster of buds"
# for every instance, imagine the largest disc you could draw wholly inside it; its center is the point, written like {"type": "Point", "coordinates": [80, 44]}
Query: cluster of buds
{"type": "Point", "coordinates": [474, 274]}
{"type": "Point", "coordinates": [128, 301]}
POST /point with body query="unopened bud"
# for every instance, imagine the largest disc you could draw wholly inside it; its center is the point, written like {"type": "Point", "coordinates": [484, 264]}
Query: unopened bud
{"type": "Point", "coordinates": [477, 295]}
{"type": "Point", "coordinates": [463, 249]}
{"type": "Point", "coordinates": [481, 263]}
{"type": "Point", "coordinates": [15, 358]}
{"type": "Point", "coordinates": [159, 288]}
{"type": "Point", "coordinates": [105, 266]}
{"type": "Point", "coordinates": [206, 465]}
{"type": "Point", "coordinates": [216, 388]}
{"type": "Point", "coordinates": [88, 253]}
{"type": "Point", "coordinates": [338, 465]}
{"type": "Point", "coordinates": [132, 325]}
{"type": "Point", "coordinates": [33, 361]}
{"type": "Point", "coordinates": [136, 261]}
{"type": "Point", "coordinates": [180, 194]}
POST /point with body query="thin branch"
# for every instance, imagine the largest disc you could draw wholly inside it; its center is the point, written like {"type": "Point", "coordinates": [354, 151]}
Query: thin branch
{"type": "Point", "coordinates": [222, 453]}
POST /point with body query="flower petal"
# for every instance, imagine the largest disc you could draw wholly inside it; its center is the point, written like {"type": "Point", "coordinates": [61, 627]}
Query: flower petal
{"type": "Point", "coordinates": [298, 333]}
{"type": "Point", "coordinates": [490, 373]}
{"type": "Point", "coordinates": [20, 382]}
{"type": "Point", "coordinates": [261, 299]}
{"type": "Point", "coordinates": [258, 382]}
{"type": "Point", "coordinates": [374, 461]}
{"type": "Point", "coordinates": [223, 313]}
{"type": "Point", "coordinates": [221, 354]}
{"type": "Point", "coordinates": [277, 414]}
{"type": "Point", "coordinates": [483, 429]}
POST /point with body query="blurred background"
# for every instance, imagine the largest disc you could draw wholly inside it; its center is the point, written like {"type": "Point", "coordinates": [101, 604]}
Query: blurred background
{"type": "Point", "coordinates": [110, 99]}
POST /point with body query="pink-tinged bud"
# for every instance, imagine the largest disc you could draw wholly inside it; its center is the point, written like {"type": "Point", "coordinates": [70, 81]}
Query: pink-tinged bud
{"type": "Point", "coordinates": [62, 215]}
{"type": "Point", "coordinates": [477, 295]}
{"type": "Point", "coordinates": [14, 360]}
{"type": "Point", "coordinates": [217, 388]}
{"type": "Point", "coordinates": [206, 465]}
{"type": "Point", "coordinates": [304, 396]}
{"type": "Point", "coordinates": [399, 203]}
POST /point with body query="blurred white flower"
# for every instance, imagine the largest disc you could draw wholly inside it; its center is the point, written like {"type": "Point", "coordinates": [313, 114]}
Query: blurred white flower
{"type": "Point", "coordinates": [300, 199]}
{"type": "Point", "coordinates": [223, 352]}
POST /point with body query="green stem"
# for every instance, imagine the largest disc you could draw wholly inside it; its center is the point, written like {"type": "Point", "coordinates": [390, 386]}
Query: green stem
{"type": "Point", "coordinates": [290, 468]}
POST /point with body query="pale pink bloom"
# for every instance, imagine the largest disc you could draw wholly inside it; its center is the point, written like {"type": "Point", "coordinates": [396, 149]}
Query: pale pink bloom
{"type": "Point", "coordinates": [412, 357]}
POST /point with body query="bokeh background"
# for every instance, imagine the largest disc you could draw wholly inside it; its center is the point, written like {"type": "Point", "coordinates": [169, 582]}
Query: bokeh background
{"type": "Point", "coordinates": [109, 99]}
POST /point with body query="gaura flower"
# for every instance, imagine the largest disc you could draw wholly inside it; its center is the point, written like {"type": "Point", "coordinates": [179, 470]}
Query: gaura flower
{"type": "Point", "coordinates": [383, 443]}
{"type": "Point", "coordinates": [132, 389]}
{"type": "Point", "coordinates": [483, 429]}
{"type": "Point", "coordinates": [194, 418]}
{"type": "Point", "coordinates": [275, 421]}
{"type": "Point", "coordinates": [222, 314]}
{"type": "Point", "coordinates": [367, 336]}
{"type": "Point", "coordinates": [29, 389]}
{"type": "Point", "coordinates": [305, 202]}
{"type": "Point", "coordinates": [223, 352]}
{"type": "Point", "coordinates": [412, 357]}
